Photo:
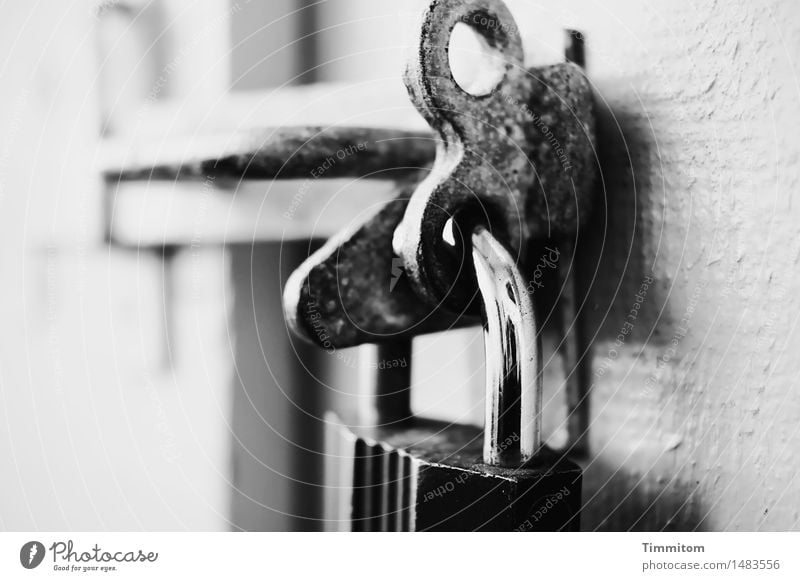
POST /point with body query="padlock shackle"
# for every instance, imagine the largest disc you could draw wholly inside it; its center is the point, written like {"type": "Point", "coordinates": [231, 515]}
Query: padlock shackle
{"type": "Point", "coordinates": [512, 431]}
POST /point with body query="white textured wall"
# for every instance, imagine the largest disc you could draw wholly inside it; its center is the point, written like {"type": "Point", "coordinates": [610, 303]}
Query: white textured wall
{"type": "Point", "coordinates": [696, 422]}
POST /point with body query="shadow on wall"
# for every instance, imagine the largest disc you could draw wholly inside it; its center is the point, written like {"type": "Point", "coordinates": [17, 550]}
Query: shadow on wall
{"type": "Point", "coordinates": [613, 255]}
{"type": "Point", "coordinates": [616, 499]}
{"type": "Point", "coordinates": [626, 482]}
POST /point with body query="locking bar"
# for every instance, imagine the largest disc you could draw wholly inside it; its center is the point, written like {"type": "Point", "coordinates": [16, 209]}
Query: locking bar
{"type": "Point", "coordinates": [269, 153]}
{"type": "Point", "coordinates": [246, 168]}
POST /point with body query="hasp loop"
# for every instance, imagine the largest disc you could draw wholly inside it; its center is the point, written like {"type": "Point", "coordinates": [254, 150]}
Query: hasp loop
{"type": "Point", "coordinates": [481, 160]}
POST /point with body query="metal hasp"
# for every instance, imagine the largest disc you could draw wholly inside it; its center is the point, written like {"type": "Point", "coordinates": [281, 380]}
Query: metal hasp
{"type": "Point", "coordinates": [498, 153]}
{"type": "Point", "coordinates": [520, 156]}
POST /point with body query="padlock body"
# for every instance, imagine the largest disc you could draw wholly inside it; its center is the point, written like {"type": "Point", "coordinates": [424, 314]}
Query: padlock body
{"type": "Point", "coordinates": [428, 476]}
{"type": "Point", "coordinates": [487, 498]}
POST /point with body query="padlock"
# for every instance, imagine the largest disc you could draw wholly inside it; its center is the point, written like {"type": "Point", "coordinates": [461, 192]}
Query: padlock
{"type": "Point", "coordinates": [410, 473]}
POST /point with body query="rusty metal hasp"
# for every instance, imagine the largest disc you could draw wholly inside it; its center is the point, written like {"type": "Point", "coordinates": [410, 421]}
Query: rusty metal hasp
{"type": "Point", "coordinates": [518, 157]}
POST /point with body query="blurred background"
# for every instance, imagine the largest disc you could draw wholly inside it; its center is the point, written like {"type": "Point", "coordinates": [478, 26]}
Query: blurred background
{"type": "Point", "coordinates": [147, 378]}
